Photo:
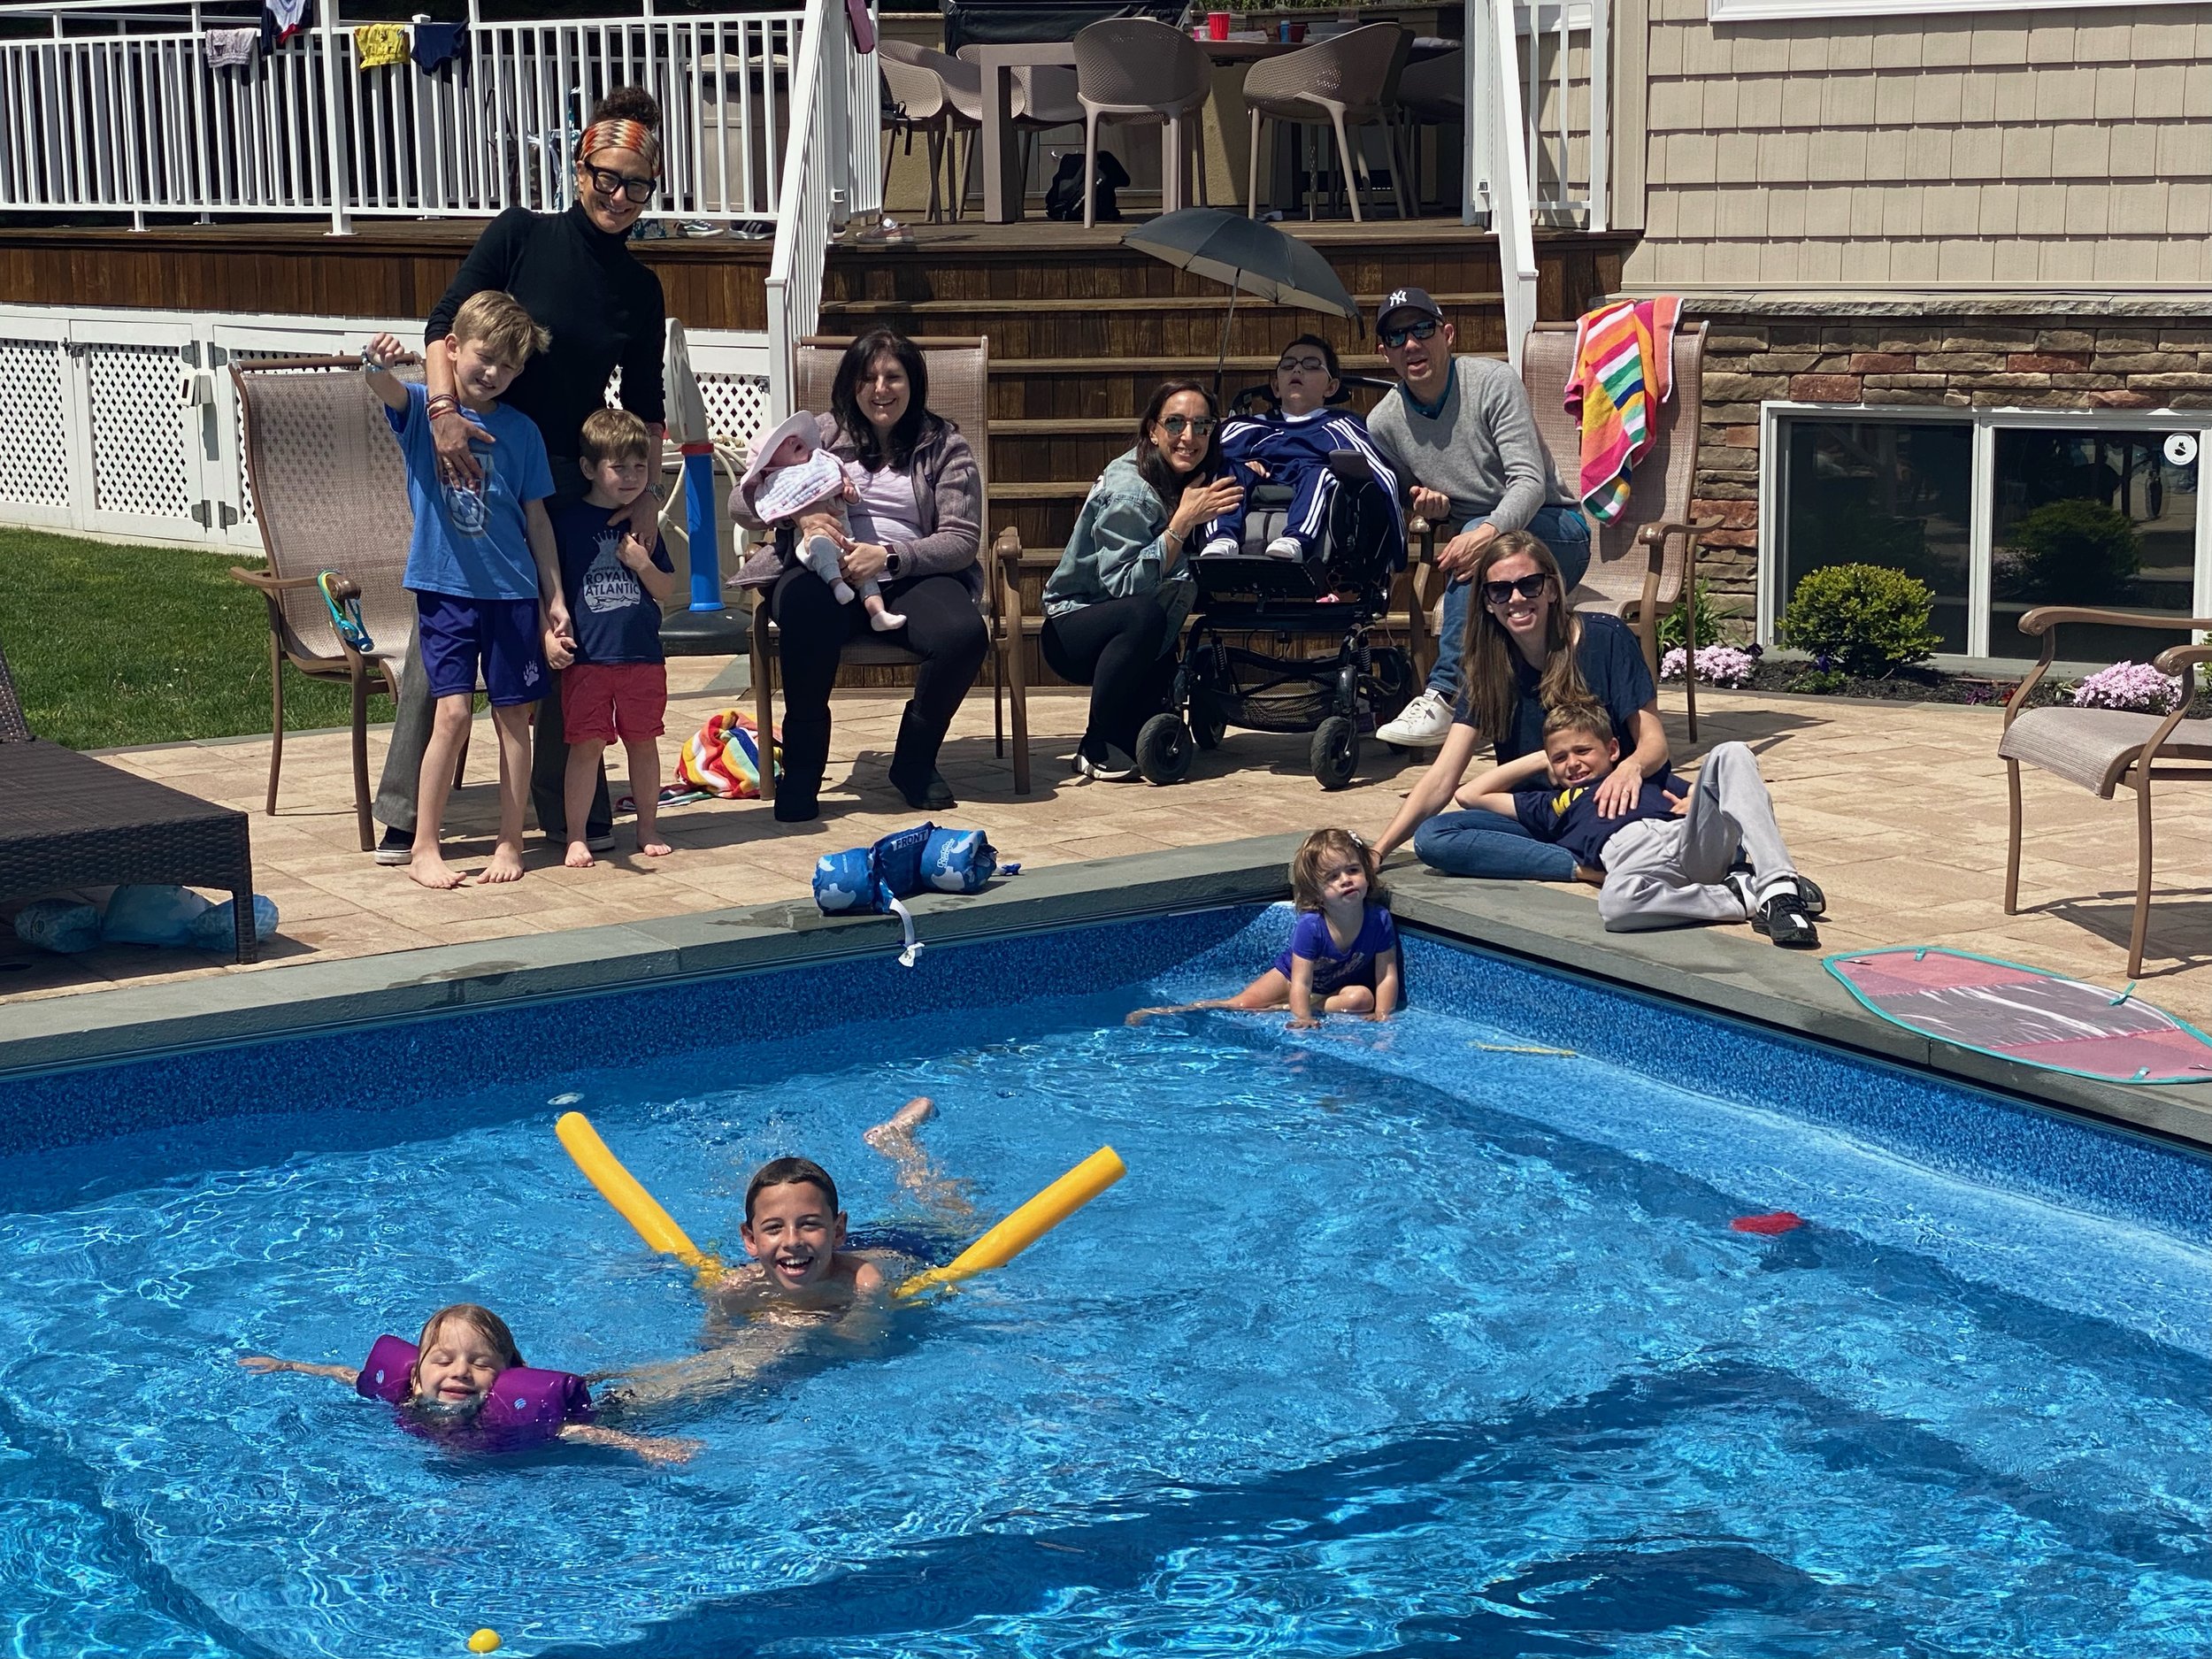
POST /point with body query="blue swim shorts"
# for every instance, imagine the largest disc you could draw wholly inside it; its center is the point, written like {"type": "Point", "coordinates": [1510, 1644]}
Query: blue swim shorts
{"type": "Point", "coordinates": [501, 635]}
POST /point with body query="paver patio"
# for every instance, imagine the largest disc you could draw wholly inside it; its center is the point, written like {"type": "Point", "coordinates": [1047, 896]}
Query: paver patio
{"type": "Point", "coordinates": [1897, 809]}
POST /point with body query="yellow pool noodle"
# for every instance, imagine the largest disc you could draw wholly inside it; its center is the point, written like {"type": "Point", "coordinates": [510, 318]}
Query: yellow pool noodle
{"type": "Point", "coordinates": [1008, 1240]}
{"type": "Point", "coordinates": [631, 1201]}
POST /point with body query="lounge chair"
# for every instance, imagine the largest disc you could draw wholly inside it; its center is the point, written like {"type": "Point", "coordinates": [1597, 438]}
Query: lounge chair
{"type": "Point", "coordinates": [67, 820]}
{"type": "Point", "coordinates": [959, 378]}
{"type": "Point", "coordinates": [2101, 749]}
{"type": "Point", "coordinates": [329, 494]}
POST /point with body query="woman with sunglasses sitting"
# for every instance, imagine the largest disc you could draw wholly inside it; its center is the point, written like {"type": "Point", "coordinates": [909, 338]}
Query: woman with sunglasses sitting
{"type": "Point", "coordinates": [574, 272]}
{"type": "Point", "coordinates": [1115, 605]}
{"type": "Point", "coordinates": [1528, 653]}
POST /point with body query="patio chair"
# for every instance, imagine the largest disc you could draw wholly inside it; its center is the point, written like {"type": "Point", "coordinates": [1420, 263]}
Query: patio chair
{"type": "Point", "coordinates": [1644, 562]}
{"type": "Point", "coordinates": [1433, 93]}
{"type": "Point", "coordinates": [1350, 80]}
{"type": "Point", "coordinates": [1134, 71]}
{"type": "Point", "coordinates": [959, 378]}
{"type": "Point", "coordinates": [943, 95]}
{"type": "Point", "coordinates": [67, 820]}
{"type": "Point", "coordinates": [2101, 749]}
{"type": "Point", "coordinates": [329, 493]}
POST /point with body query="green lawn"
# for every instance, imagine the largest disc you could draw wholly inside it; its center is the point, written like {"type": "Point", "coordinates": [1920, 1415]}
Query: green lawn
{"type": "Point", "coordinates": [113, 645]}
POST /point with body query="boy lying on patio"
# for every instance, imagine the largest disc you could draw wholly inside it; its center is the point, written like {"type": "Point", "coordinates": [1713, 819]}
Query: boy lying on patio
{"type": "Point", "coordinates": [1673, 858]}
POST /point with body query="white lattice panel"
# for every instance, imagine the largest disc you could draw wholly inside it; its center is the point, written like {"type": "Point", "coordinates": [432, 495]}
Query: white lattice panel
{"type": "Point", "coordinates": [34, 425]}
{"type": "Point", "coordinates": [737, 406]}
{"type": "Point", "coordinates": [137, 432]}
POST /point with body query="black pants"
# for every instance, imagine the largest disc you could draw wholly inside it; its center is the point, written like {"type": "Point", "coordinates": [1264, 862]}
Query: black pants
{"type": "Point", "coordinates": [942, 626]}
{"type": "Point", "coordinates": [1122, 650]}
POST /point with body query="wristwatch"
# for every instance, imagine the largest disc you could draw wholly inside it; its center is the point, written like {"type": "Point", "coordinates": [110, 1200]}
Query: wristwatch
{"type": "Point", "coordinates": [891, 561]}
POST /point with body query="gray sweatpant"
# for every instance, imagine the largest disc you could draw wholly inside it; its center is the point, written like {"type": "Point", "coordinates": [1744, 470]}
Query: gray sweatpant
{"type": "Point", "coordinates": [1663, 872]}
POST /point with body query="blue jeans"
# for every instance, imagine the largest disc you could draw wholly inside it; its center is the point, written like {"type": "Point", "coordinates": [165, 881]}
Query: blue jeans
{"type": "Point", "coordinates": [1480, 844]}
{"type": "Point", "coordinates": [1562, 529]}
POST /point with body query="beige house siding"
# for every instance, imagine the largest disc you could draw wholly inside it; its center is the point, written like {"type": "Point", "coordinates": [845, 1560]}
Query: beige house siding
{"type": "Point", "coordinates": [2015, 150]}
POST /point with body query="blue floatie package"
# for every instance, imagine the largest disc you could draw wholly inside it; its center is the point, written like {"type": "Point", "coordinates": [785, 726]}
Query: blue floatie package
{"type": "Point", "coordinates": [66, 925]}
{"type": "Point", "coordinates": [873, 880]}
{"type": "Point", "coordinates": [958, 861]}
{"type": "Point", "coordinates": [156, 914]}
{"type": "Point", "coordinates": [845, 883]}
{"type": "Point", "coordinates": [212, 928]}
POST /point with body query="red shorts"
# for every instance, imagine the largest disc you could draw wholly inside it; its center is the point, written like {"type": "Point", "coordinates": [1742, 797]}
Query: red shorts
{"type": "Point", "coordinates": [602, 701]}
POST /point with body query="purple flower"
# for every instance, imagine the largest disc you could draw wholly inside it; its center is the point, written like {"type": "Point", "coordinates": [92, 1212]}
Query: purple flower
{"type": "Point", "coordinates": [2137, 688]}
{"type": "Point", "coordinates": [1717, 664]}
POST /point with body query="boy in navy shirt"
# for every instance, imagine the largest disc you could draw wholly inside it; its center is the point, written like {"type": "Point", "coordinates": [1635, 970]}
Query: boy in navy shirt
{"type": "Point", "coordinates": [618, 687]}
{"type": "Point", "coordinates": [1292, 447]}
{"type": "Point", "coordinates": [1671, 856]}
{"type": "Point", "coordinates": [481, 566]}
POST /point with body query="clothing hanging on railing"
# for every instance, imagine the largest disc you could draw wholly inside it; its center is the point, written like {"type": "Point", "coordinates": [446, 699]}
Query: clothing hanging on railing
{"type": "Point", "coordinates": [281, 19]}
{"type": "Point", "coordinates": [379, 45]}
{"type": "Point", "coordinates": [228, 48]}
{"type": "Point", "coordinates": [437, 44]}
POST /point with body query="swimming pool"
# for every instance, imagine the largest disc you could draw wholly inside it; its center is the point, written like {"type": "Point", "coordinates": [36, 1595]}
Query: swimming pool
{"type": "Point", "coordinates": [1392, 1342]}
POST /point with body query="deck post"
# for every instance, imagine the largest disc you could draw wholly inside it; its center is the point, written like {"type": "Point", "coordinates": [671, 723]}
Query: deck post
{"type": "Point", "coordinates": [334, 124]}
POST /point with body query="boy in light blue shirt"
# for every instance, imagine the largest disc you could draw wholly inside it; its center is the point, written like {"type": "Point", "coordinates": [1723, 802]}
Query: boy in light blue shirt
{"type": "Point", "coordinates": [482, 566]}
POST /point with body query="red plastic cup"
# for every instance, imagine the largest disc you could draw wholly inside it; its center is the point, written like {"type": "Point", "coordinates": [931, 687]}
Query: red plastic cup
{"type": "Point", "coordinates": [1216, 25]}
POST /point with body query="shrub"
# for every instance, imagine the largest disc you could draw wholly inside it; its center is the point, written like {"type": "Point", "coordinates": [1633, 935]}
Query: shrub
{"type": "Point", "coordinates": [2138, 688]}
{"type": "Point", "coordinates": [1861, 619]}
{"type": "Point", "coordinates": [2071, 552]}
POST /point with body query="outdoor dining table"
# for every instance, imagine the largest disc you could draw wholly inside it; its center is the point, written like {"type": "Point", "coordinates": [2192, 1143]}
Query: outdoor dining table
{"type": "Point", "coordinates": [1003, 181]}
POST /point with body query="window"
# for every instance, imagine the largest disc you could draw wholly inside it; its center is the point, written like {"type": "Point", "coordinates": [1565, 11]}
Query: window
{"type": "Point", "coordinates": [1997, 512]}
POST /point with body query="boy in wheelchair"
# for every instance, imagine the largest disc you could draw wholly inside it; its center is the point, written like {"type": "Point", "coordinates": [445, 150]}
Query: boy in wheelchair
{"type": "Point", "coordinates": [1283, 461]}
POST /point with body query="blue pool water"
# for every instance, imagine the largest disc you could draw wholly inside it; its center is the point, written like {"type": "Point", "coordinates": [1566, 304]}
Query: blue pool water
{"type": "Point", "coordinates": [1389, 1344]}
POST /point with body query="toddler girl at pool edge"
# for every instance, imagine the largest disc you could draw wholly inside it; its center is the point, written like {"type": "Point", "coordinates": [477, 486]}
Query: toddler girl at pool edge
{"type": "Point", "coordinates": [451, 1377]}
{"type": "Point", "coordinates": [1343, 948]}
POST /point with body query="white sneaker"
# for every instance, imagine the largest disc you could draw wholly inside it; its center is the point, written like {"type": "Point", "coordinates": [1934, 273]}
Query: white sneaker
{"type": "Point", "coordinates": [1221, 546]}
{"type": "Point", "coordinates": [1423, 724]}
{"type": "Point", "coordinates": [1116, 768]}
{"type": "Point", "coordinates": [1284, 546]}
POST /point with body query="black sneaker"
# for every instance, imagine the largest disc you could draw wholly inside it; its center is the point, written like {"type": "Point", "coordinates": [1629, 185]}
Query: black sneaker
{"type": "Point", "coordinates": [1808, 891]}
{"type": "Point", "coordinates": [396, 847]}
{"type": "Point", "coordinates": [934, 795]}
{"type": "Point", "coordinates": [1784, 919]}
{"type": "Point", "coordinates": [796, 806]}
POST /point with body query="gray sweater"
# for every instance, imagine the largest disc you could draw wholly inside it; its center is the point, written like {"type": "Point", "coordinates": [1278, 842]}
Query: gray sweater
{"type": "Point", "coordinates": [1481, 449]}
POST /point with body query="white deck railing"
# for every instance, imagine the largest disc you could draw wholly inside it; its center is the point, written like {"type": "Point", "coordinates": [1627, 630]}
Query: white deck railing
{"type": "Point", "coordinates": [116, 107]}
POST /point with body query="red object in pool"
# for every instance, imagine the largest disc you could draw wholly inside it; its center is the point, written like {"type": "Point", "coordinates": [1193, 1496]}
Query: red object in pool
{"type": "Point", "coordinates": [1778, 1221]}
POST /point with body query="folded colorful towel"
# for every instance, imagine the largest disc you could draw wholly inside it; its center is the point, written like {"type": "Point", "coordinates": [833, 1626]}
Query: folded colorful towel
{"type": "Point", "coordinates": [1623, 365]}
{"type": "Point", "coordinates": [379, 45]}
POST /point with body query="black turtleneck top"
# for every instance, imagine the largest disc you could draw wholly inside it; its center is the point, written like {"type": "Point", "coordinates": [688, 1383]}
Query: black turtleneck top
{"type": "Point", "coordinates": [602, 308]}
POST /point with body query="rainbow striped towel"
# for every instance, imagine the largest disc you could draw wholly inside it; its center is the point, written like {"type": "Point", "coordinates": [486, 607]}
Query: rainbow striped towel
{"type": "Point", "coordinates": [1623, 364]}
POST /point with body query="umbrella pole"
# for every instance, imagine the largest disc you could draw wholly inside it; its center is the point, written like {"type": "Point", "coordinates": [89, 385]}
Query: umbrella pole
{"type": "Point", "coordinates": [1222, 357]}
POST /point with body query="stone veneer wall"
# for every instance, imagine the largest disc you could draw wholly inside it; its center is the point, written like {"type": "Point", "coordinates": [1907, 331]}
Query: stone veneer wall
{"type": "Point", "coordinates": [2159, 355]}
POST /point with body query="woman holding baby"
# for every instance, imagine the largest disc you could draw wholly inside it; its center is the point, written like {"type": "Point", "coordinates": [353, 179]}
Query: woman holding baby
{"type": "Point", "coordinates": [911, 521]}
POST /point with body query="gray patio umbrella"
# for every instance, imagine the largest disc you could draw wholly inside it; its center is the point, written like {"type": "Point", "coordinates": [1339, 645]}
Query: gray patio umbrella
{"type": "Point", "coordinates": [1251, 256]}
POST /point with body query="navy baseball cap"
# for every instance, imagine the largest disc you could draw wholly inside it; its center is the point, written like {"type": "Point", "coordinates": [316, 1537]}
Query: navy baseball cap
{"type": "Point", "coordinates": [1407, 300]}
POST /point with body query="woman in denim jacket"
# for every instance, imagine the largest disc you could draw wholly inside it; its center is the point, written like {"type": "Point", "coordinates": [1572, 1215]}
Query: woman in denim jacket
{"type": "Point", "coordinates": [1115, 605]}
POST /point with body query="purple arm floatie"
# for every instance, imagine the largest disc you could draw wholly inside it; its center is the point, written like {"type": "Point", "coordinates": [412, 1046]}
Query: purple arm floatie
{"type": "Point", "coordinates": [523, 1398]}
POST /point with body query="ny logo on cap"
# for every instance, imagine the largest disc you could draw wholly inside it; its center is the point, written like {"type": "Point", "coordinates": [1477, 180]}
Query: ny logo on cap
{"type": "Point", "coordinates": [1399, 298]}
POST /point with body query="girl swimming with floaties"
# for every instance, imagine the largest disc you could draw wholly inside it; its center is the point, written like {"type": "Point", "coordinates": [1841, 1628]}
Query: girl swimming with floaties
{"type": "Point", "coordinates": [1343, 954]}
{"type": "Point", "coordinates": [464, 1374]}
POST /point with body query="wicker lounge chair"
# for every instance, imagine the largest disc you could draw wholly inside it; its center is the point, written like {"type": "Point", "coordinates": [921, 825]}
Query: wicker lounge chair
{"type": "Point", "coordinates": [67, 820]}
{"type": "Point", "coordinates": [959, 375]}
{"type": "Point", "coordinates": [329, 493]}
{"type": "Point", "coordinates": [2101, 749]}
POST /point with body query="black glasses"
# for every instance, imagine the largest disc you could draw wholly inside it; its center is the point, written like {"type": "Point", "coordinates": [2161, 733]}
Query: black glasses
{"type": "Point", "coordinates": [1176, 426]}
{"type": "Point", "coordinates": [609, 183]}
{"type": "Point", "coordinates": [1528, 587]}
{"type": "Point", "coordinates": [1309, 365]}
{"type": "Point", "coordinates": [1395, 337]}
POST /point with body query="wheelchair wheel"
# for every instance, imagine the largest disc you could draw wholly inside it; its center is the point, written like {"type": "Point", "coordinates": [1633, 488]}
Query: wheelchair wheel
{"type": "Point", "coordinates": [1209, 720]}
{"type": "Point", "coordinates": [1164, 749]}
{"type": "Point", "coordinates": [1334, 756]}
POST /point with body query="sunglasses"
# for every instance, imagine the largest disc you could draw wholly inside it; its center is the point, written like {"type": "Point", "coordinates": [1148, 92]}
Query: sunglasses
{"type": "Point", "coordinates": [608, 182]}
{"type": "Point", "coordinates": [1395, 337]}
{"type": "Point", "coordinates": [1176, 426]}
{"type": "Point", "coordinates": [1308, 365]}
{"type": "Point", "coordinates": [1529, 586]}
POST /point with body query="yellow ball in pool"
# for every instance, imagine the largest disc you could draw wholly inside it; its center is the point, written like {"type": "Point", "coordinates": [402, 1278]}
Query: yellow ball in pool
{"type": "Point", "coordinates": [484, 1641]}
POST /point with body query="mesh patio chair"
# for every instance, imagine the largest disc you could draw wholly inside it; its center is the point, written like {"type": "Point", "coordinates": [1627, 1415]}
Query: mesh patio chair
{"type": "Point", "coordinates": [943, 95]}
{"type": "Point", "coordinates": [1134, 71]}
{"type": "Point", "coordinates": [69, 821]}
{"type": "Point", "coordinates": [1347, 82]}
{"type": "Point", "coordinates": [2101, 749]}
{"type": "Point", "coordinates": [1433, 93]}
{"type": "Point", "coordinates": [959, 378]}
{"type": "Point", "coordinates": [1644, 562]}
{"type": "Point", "coordinates": [329, 494]}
